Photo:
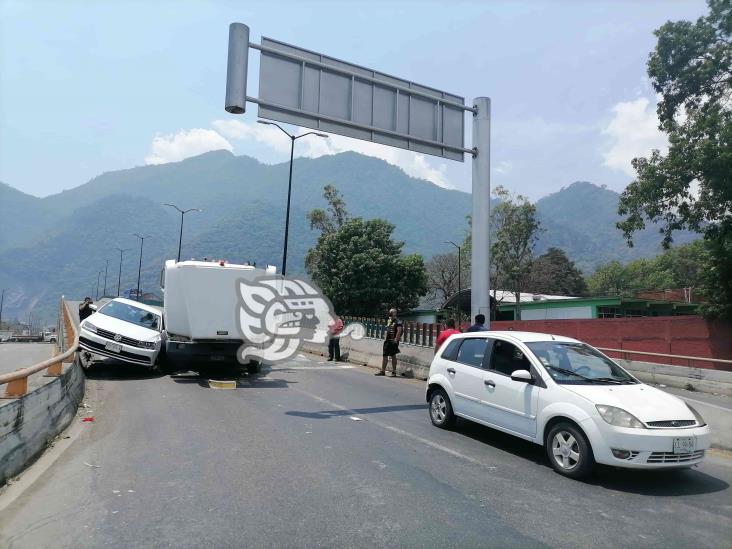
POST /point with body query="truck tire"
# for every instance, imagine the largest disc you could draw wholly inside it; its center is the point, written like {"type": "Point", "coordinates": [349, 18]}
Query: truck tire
{"type": "Point", "coordinates": [253, 367]}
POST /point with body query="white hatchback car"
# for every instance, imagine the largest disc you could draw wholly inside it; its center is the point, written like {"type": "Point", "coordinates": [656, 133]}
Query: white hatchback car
{"type": "Point", "coordinates": [565, 395]}
{"type": "Point", "coordinates": [126, 330]}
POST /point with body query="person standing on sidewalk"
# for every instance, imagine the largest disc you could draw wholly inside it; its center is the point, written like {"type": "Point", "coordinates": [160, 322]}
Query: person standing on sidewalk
{"type": "Point", "coordinates": [444, 334]}
{"type": "Point", "coordinates": [335, 327]}
{"type": "Point", "coordinates": [394, 329]}
{"type": "Point", "coordinates": [479, 325]}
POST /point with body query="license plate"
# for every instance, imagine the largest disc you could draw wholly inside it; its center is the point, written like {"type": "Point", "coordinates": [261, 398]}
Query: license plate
{"type": "Point", "coordinates": [114, 347]}
{"type": "Point", "coordinates": [684, 445]}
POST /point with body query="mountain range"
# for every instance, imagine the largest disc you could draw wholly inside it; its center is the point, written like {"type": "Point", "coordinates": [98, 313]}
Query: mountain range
{"type": "Point", "coordinates": [57, 244]}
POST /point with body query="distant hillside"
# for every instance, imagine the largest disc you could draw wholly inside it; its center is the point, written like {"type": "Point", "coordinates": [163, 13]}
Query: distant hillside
{"type": "Point", "coordinates": [580, 219]}
{"type": "Point", "coordinates": [58, 244]}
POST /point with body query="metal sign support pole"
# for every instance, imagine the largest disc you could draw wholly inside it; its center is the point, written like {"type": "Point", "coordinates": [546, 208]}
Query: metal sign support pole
{"type": "Point", "coordinates": [480, 249]}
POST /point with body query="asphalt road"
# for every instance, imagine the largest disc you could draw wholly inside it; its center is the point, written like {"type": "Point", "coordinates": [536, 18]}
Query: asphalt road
{"type": "Point", "coordinates": [309, 455]}
{"type": "Point", "coordinates": [20, 355]}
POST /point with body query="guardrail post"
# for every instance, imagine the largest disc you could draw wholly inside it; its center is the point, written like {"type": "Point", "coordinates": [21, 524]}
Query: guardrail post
{"type": "Point", "coordinates": [17, 387]}
{"type": "Point", "coordinates": [55, 369]}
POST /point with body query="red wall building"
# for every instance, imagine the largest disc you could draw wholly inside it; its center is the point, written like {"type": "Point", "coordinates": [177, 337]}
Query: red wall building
{"type": "Point", "coordinates": [673, 335]}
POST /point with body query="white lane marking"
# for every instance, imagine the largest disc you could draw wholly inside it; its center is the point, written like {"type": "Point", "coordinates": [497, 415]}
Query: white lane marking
{"type": "Point", "coordinates": [401, 432]}
{"type": "Point", "coordinates": [705, 403]}
{"type": "Point", "coordinates": [285, 368]}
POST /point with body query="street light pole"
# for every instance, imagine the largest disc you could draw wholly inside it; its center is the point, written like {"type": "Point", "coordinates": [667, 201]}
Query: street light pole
{"type": "Point", "coordinates": [459, 281]}
{"type": "Point", "coordinates": [289, 184]}
{"type": "Point", "coordinates": [96, 293]}
{"type": "Point", "coordinates": [142, 238]}
{"type": "Point", "coordinates": [106, 267]}
{"type": "Point", "coordinates": [182, 213]}
{"type": "Point", "coordinates": [2, 300]}
{"type": "Point", "coordinates": [119, 277]}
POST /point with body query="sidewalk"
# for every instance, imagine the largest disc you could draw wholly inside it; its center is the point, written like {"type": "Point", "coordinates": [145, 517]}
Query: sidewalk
{"type": "Point", "coordinates": [716, 411]}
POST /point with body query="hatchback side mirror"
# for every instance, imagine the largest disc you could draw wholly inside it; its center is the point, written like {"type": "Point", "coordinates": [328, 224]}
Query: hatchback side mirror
{"type": "Point", "coordinates": [522, 375]}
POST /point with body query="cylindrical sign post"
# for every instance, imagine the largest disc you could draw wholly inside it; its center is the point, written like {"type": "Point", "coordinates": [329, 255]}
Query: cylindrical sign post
{"type": "Point", "coordinates": [480, 264]}
{"type": "Point", "coordinates": [236, 69]}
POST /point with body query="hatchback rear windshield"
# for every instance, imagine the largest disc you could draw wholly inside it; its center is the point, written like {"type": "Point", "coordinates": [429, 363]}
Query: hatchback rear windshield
{"type": "Point", "coordinates": [131, 314]}
{"type": "Point", "coordinates": [577, 363]}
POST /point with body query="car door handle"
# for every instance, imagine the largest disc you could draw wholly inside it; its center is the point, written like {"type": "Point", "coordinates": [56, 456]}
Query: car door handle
{"type": "Point", "coordinates": [489, 383]}
{"type": "Point", "coordinates": [451, 370]}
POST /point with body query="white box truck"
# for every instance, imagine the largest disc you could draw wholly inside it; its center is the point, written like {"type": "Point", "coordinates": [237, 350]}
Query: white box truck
{"type": "Point", "coordinates": [200, 308]}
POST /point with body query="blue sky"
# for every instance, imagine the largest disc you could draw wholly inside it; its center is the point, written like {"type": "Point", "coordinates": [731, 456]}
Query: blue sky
{"type": "Point", "coordinates": [88, 87]}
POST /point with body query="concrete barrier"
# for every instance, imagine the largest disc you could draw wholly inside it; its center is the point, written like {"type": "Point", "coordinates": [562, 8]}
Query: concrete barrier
{"type": "Point", "coordinates": [413, 361]}
{"type": "Point", "coordinates": [29, 423]}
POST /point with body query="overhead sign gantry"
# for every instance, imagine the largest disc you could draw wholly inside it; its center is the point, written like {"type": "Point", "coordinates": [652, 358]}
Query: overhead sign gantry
{"type": "Point", "coordinates": [309, 89]}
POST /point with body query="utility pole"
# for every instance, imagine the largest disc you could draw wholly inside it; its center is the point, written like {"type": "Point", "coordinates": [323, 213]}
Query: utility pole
{"type": "Point", "coordinates": [182, 213]}
{"type": "Point", "coordinates": [289, 184]}
{"type": "Point", "coordinates": [96, 294]}
{"type": "Point", "coordinates": [2, 300]}
{"type": "Point", "coordinates": [119, 277]}
{"type": "Point", "coordinates": [459, 281]}
{"type": "Point", "coordinates": [106, 266]}
{"type": "Point", "coordinates": [142, 238]}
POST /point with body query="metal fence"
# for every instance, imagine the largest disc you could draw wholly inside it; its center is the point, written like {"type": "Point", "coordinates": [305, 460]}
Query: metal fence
{"type": "Point", "coordinates": [419, 334]}
{"type": "Point", "coordinates": [16, 383]}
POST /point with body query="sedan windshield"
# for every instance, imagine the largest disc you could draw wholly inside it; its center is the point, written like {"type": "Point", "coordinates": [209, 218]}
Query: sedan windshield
{"type": "Point", "coordinates": [132, 314]}
{"type": "Point", "coordinates": [577, 363]}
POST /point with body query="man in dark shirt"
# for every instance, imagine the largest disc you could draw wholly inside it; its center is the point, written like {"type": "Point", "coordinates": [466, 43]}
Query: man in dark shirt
{"type": "Point", "coordinates": [394, 329]}
{"type": "Point", "coordinates": [85, 308]}
{"type": "Point", "coordinates": [479, 325]}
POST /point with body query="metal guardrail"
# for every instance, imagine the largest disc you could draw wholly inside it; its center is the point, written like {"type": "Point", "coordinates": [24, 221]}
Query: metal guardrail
{"type": "Point", "coordinates": [678, 357]}
{"type": "Point", "coordinates": [690, 360]}
{"type": "Point", "coordinates": [17, 381]}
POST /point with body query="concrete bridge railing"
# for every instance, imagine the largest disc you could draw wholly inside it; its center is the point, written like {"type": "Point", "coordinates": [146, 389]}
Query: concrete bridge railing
{"type": "Point", "coordinates": [30, 420]}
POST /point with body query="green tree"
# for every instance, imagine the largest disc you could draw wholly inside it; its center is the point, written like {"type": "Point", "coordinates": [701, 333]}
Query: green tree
{"type": "Point", "coordinates": [362, 270]}
{"type": "Point", "coordinates": [682, 267]}
{"type": "Point", "coordinates": [516, 229]}
{"type": "Point", "coordinates": [608, 279]}
{"type": "Point", "coordinates": [554, 273]}
{"type": "Point", "coordinates": [333, 218]}
{"type": "Point", "coordinates": [691, 186]}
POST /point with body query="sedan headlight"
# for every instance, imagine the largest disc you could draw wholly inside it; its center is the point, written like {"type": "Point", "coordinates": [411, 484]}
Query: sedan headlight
{"type": "Point", "coordinates": [619, 417]}
{"type": "Point", "coordinates": [148, 344]}
{"type": "Point", "coordinates": [89, 327]}
{"type": "Point", "coordinates": [699, 419]}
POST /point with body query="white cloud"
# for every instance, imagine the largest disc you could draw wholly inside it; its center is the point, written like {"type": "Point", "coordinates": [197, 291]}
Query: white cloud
{"type": "Point", "coordinates": [414, 164]}
{"type": "Point", "coordinates": [185, 143]}
{"type": "Point", "coordinates": [634, 132]}
{"type": "Point", "coordinates": [268, 135]}
{"type": "Point", "coordinates": [502, 167]}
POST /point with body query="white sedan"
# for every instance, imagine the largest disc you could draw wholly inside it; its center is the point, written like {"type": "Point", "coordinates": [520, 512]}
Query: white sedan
{"type": "Point", "coordinates": [565, 395]}
{"type": "Point", "coordinates": [126, 330]}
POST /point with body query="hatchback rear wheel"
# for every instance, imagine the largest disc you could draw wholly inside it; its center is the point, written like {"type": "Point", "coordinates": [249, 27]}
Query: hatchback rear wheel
{"type": "Point", "coordinates": [569, 451]}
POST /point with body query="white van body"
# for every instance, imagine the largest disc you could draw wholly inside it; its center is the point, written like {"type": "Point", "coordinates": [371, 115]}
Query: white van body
{"type": "Point", "coordinates": [200, 308]}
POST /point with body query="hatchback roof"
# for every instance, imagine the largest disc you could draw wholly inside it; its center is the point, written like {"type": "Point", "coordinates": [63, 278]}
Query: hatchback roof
{"type": "Point", "coordinates": [525, 337]}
